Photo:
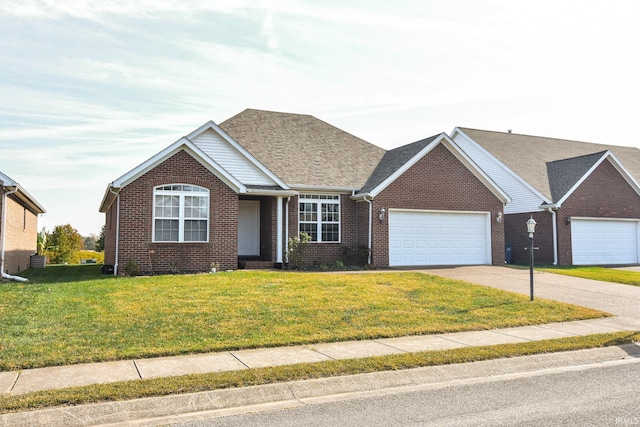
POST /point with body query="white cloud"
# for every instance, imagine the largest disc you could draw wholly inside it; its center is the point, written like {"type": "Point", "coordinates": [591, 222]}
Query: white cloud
{"type": "Point", "coordinates": [92, 88]}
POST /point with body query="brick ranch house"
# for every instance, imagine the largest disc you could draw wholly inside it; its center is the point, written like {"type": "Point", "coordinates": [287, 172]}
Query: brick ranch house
{"type": "Point", "coordinates": [18, 226]}
{"type": "Point", "coordinates": [235, 193]}
{"type": "Point", "coordinates": [584, 197]}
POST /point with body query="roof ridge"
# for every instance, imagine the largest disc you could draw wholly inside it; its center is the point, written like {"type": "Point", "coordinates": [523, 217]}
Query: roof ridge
{"type": "Point", "coordinates": [549, 138]}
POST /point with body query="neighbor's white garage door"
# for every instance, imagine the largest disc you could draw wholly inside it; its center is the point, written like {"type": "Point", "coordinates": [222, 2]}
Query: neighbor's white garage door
{"type": "Point", "coordinates": [438, 238]}
{"type": "Point", "coordinates": [599, 241]}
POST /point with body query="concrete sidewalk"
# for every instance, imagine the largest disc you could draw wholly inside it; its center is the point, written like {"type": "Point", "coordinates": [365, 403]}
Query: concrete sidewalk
{"type": "Point", "coordinates": [621, 300]}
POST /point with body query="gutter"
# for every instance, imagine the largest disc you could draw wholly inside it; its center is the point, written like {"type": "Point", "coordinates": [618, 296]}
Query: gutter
{"type": "Point", "coordinates": [370, 232]}
{"type": "Point", "coordinates": [552, 208]}
{"type": "Point", "coordinates": [117, 194]}
{"type": "Point", "coordinates": [15, 278]}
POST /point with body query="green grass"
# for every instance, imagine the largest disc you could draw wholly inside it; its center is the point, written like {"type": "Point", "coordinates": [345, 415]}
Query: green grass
{"type": "Point", "coordinates": [72, 314]}
{"type": "Point", "coordinates": [250, 377]}
{"type": "Point", "coordinates": [598, 273]}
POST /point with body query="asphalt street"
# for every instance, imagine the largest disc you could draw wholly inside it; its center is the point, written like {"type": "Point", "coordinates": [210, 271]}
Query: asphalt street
{"type": "Point", "coordinates": [589, 395]}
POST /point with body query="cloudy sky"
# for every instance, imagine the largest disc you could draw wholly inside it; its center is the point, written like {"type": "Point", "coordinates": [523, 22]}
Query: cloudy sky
{"type": "Point", "coordinates": [90, 89]}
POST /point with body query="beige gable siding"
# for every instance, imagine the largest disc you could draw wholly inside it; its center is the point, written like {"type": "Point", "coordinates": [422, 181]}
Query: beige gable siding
{"type": "Point", "coordinates": [523, 198]}
{"type": "Point", "coordinates": [230, 159]}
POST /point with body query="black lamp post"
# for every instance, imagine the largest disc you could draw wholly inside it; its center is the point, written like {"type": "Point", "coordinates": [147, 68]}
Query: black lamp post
{"type": "Point", "coordinates": [531, 228]}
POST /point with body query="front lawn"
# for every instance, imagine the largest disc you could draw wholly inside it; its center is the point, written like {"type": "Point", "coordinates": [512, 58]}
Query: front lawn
{"type": "Point", "coordinates": [602, 274]}
{"type": "Point", "coordinates": [88, 317]}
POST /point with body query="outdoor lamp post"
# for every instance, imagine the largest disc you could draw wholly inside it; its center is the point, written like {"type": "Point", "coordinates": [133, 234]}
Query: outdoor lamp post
{"type": "Point", "coordinates": [531, 228]}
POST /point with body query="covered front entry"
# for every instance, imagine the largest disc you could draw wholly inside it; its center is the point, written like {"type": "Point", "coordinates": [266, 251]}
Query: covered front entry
{"type": "Point", "coordinates": [249, 228]}
{"type": "Point", "coordinates": [604, 241]}
{"type": "Point", "coordinates": [438, 238]}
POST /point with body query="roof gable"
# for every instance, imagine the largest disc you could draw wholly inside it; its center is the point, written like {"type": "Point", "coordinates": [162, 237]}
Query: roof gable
{"type": "Point", "coordinates": [19, 193]}
{"type": "Point", "coordinates": [398, 161]}
{"type": "Point", "coordinates": [181, 144]}
{"type": "Point", "coordinates": [599, 158]}
{"type": "Point", "coordinates": [514, 151]}
{"type": "Point", "coordinates": [304, 151]}
{"type": "Point", "coordinates": [565, 174]}
{"type": "Point", "coordinates": [232, 156]}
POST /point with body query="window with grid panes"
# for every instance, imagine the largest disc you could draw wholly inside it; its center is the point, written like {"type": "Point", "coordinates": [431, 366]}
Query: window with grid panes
{"type": "Point", "coordinates": [180, 213]}
{"type": "Point", "coordinates": [319, 217]}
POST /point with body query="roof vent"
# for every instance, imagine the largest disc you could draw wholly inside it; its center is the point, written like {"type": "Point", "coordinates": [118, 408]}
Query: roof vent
{"type": "Point", "coordinates": [509, 130]}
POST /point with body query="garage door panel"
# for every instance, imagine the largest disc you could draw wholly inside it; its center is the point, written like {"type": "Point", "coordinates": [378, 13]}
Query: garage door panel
{"type": "Point", "coordinates": [447, 239]}
{"type": "Point", "coordinates": [599, 241]}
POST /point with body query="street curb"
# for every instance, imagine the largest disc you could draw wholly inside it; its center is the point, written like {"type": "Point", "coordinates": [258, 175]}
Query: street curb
{"type": "Point", "coordinates": [149, 411]}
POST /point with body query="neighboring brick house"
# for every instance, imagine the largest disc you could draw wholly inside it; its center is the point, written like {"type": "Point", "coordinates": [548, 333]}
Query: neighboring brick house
{"type": "Point", "coordinates": [235, 193]}
{"type": "Point", "coordinates": [18, 226]}
{"type": "Point", "coordinates": [584, 197]}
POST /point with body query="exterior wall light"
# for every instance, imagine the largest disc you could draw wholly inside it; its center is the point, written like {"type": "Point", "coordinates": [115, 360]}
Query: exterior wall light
{"type": "Point", "coordinates": [381, 214]}
{"type": "Point", "coordinates": [499, 217]}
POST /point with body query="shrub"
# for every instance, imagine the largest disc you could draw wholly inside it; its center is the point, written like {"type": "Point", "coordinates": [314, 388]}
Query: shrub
{"type": "Point", "coordinates": [132, 268]}
{"type": "Point", "coordinates": [296, 247]}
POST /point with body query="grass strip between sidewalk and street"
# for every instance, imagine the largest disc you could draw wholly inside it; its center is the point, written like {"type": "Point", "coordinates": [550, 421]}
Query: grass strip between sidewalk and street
{"type": "Point", "coordinates": [205, 382]}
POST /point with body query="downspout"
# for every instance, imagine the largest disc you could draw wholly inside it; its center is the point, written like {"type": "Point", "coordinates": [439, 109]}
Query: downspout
{"type": "Point", "coordinates": [4, 229]}
{"type": "Point", "coordinates": [370, 232]}
{"type": "Point", "coordinates": [555, 236]}
{"type": "Point", "coordinates": [286, 230]}
{"type": "Point", "coordinates": [117, 193]}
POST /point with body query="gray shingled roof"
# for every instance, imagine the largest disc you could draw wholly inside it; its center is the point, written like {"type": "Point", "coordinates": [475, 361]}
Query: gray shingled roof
{"type": "Point", "coordinates": [564, 174]}
{"type": "Point", "coordinates": [303, 150]}
{"type": "Point", "coordinates": [394, 160]}
{"type": "Point", "coordinates": [528, 156]}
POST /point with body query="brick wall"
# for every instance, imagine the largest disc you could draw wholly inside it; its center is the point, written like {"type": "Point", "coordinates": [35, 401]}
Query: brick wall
{"type": "Point", "coordinates": [515, 229]}
{"type": "Point", "coordinates": [605, 194]}
{"type": "Point", "coordinates": [439, 181]}
{"type": "Point", "coordinates": [136, 220]}
{"type": "Point", "coordinates": [21, 228]}
{"type": "Point", "coordinates": [329, 253]}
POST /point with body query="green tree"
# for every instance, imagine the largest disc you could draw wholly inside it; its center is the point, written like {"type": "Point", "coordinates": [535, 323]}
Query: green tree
{"type": "Point", "coordinates": [90, 242]}
{"type": "Point", "coordinates": [64, 241]}
{"type": "Point", "coordinates": [100, 241]}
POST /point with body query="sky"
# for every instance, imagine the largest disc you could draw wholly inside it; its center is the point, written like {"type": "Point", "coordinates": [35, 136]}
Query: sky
{"type": "Point", "coordinates": [91, 89]}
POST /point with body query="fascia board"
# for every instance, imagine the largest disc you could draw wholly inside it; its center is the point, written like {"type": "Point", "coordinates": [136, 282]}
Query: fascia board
{"type": "Point", "coordinates": [182, 144]}
{"type": "Point", "coordinates": [6, 181]}
{"type": "Point", "coordinates": [28, 199]}
{"type": "Point", "coordinates": [213, 126]}
{"type": "Point", "coordinates": [476, 170]}
{"type": "Point", "coordinates": [458, 153]}
{"type": "Point", "coordinates": [322, 189]}
{"type": "Point", "coordinates": [615, 163]}
{"type": "Point", "coordinates": [500, 164]}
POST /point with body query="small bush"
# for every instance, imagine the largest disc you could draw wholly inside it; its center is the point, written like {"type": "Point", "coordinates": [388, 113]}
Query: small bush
{"type": "Point", "coordinates": [132, 268]}
{"type": "Point", "coordinates": [296, 247]}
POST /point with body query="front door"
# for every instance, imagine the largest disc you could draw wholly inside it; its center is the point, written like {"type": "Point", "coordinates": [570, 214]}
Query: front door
{"type": "Point", "coordinates": [249, 228]}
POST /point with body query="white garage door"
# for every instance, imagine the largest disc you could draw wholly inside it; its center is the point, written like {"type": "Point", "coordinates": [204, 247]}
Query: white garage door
{"type": "Point", "coordinates": [599, 241]}
{"type": "Point", "coordinates": [439, 238]}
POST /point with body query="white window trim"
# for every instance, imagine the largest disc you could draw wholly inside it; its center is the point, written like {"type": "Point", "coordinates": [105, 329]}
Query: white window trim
{"type": "Point", "coordinates": [319, 199]}
{"type": "Point", "coordinates": [181, 218]}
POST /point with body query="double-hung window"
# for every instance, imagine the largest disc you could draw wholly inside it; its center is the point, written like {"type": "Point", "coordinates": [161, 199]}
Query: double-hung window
{"type": "Point", "coordinates": [319, 217]}
{"type": "Point", "coordinates": [180, 213]}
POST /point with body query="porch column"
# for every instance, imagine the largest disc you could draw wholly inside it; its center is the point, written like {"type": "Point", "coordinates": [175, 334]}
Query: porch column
{"type": "Point", "coordinates": [279, 231]}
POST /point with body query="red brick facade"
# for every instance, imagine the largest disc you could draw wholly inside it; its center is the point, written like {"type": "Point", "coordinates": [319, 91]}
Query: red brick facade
{"type": "Point", "coordinates": [21, 228]}
{"type": "Point", "coordinates": [439, 181]}
{"type": "Point", "coordinates": [604, 194]}
{"type": "Point", "coordinates": [136, 222]}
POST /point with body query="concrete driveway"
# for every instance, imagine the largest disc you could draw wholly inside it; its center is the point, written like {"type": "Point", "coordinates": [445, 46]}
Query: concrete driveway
{"type": "Point", "coordinates": [619, 300]}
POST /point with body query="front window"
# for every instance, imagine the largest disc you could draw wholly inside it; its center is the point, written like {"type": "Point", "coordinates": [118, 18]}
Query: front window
{"type": "Point", "coordinates": [180, 213]}
{"type": "Point", "coordinates": [319, 217]}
